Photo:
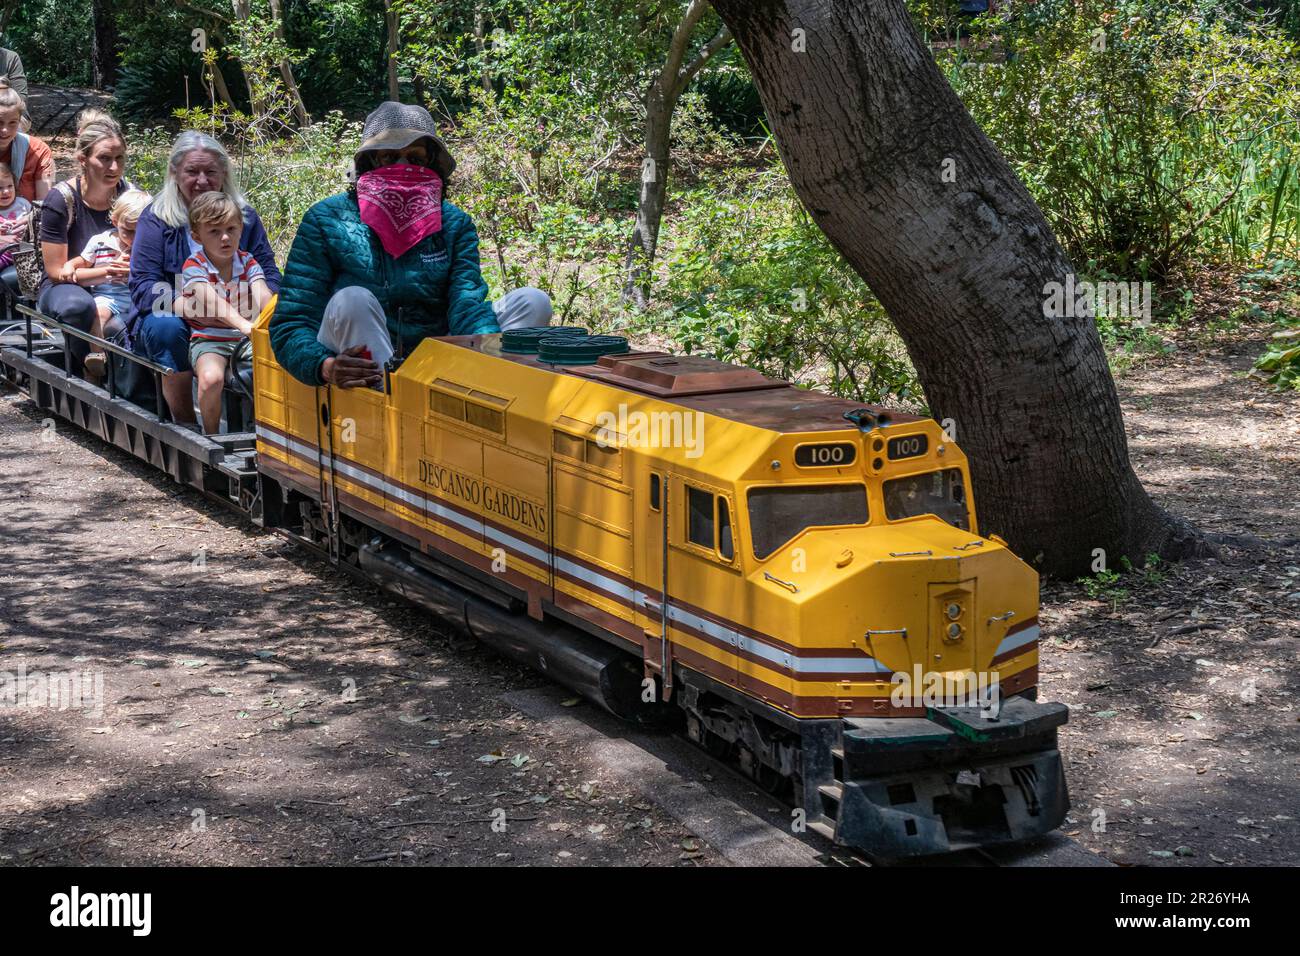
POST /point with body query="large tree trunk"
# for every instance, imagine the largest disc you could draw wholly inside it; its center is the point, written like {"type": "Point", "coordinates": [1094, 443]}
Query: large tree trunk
{"type": "Point", "coordinates": [103, 47]}
{"type": "Point", "coordinates": [661, 97]}
{"type": "Point", "coordinates": [868, 127]}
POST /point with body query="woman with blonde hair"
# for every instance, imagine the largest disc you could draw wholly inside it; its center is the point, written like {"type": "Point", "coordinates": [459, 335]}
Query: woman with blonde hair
{"type": "Point", "coordinates": [75, 211]}
{"type": "Point", "coordinates": [198, 164]}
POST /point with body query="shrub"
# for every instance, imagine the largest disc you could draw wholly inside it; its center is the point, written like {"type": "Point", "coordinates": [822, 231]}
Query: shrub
{"type": "Point", "coordinates": [1151, 133]}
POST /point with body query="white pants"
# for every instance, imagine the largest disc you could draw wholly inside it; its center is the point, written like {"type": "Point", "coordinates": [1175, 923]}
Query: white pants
{"type": "Point", "coordinates": [353, 317]}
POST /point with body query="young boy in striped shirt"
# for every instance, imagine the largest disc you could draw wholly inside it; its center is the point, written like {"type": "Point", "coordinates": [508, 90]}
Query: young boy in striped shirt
{"type": "Point", "coordinates": [224, 291]}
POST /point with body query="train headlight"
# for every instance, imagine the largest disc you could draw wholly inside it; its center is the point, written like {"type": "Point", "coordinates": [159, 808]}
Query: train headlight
{"type": "Point", "coordinates": [953, 611]}
{"type": "Point", "coordinates": [954, 631]}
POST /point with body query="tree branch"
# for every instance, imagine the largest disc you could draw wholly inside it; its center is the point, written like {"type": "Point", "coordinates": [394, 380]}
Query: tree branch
{"type": "Point", "coordinates": [707, 52]}
{"type": "Point", "coordinates": [681, 42]}
{"type": "Point", "coordinates": [202, 11]}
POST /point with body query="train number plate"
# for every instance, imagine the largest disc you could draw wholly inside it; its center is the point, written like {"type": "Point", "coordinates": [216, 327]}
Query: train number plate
{"type": "Point", "coordinates": [908, 446]}
{"type": "Point", "coordinates": [833, 455]}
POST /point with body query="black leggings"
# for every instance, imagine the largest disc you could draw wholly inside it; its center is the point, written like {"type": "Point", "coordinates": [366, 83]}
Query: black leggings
{"type": "Point", "coordinates": [75, 306]}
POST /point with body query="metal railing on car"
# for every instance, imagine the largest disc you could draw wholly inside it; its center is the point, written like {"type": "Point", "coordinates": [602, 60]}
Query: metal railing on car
{"type": "Point", "coordinates": [33, 315]}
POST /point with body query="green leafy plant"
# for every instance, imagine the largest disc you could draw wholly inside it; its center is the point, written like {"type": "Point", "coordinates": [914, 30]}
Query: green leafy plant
{"type": "Point", "coordinates": [1152, 132]}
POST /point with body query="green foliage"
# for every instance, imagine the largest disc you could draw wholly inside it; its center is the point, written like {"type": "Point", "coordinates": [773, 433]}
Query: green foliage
{"type": "Point", "coordinates": [1280, 365]}
{"type": "Point", "coordinates": [340, 46]}
{"type": "Point", "coordinates": [753, 280]}
{"type": "Point", "coordinates": [1151, 133]}
{"type": "Point", "coordinates": [1115, 586]}
{"type": "Point", "coordinates": [53, 51]}
{"type": "Point", "coordinates": [732, 100]}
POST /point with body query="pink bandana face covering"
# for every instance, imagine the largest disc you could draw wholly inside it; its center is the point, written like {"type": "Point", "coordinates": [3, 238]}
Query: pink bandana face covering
{"type": "Point", "coordinates": [402, 204]}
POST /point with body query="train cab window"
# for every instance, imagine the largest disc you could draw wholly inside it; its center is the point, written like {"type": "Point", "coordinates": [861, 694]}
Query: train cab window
{"type": "Point", "coordinates": [779, 513]}
{"type": "Point", "coordinates": [654, 492]}
{"type": "Point", "coordinates": [699, 517]}
{"type": "Point", "coordinates": [708, 522]}
{"type": "Point", "coordinates": [726, 547]}
{"type": "Point", "coordinates": [938, 493]}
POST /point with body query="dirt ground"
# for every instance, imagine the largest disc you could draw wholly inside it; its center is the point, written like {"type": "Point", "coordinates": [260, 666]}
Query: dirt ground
{"type": "Point", "coordinates": [260, 708]}
{"type": "Point", "coordinates": [1182, 741]}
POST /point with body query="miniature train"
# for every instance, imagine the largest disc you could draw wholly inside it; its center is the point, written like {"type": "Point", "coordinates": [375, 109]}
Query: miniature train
{"type": "Point", "coordinates": [797, 578]}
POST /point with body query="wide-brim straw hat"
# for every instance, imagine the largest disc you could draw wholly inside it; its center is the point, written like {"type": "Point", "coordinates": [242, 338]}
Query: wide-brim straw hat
{"type": "Point", "coordinates": [398, 125]}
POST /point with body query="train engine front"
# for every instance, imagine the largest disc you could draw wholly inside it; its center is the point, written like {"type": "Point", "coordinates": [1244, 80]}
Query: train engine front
{"type": "Point", "coordinates": [903, 644]}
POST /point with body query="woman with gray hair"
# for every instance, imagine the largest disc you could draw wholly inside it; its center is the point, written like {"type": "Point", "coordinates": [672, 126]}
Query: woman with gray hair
{"type": "Point", "coordinates": [163, 242]}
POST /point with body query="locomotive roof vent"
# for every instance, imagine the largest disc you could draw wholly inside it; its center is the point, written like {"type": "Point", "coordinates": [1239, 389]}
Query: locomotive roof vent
{"type": "Point", "coordinates": [676, 375]}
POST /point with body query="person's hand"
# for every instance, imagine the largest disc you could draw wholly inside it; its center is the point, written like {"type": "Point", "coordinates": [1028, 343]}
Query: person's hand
{"type": "Point", "coordinates": [350, 370]}
{"type": "Point", "coordinates": [68, 273]}
{"type": "Point", "coordinates": [118, 272]}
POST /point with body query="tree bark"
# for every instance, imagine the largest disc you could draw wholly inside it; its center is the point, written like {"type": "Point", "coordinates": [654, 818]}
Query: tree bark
{"type": "Point", "coordinates": [654, 195]}
{"type": "Point", "coordinates": [220, 89]}
{"type": "Point", "coordinates": [923, 206]}
{"type": "Point", "coordinates": [480, 47]}
{"type": "Point", "coordinates": [661, 97]}
{"type": "Point", "coordinates": [243, 10]}
{"type": "Point", "coordinates": [286, 69]}
{"type": "Point", "coordinates": [103, 47]}
{"type": "Point", "coordinates": [393, 43]}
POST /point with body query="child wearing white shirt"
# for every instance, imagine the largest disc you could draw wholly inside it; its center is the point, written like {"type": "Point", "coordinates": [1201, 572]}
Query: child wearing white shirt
{"type": "Point", "coordinates": [105, 264]}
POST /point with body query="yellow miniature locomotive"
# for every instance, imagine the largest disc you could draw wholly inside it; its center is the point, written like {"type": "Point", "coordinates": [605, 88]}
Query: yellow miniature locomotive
{"type": "Point", "coordinates": [801, 579]}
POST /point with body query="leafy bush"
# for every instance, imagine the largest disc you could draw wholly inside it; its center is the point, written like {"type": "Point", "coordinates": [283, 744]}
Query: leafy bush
{"type": "Point", "coordinates": [51, 52]}
{"type": "Point", "coordinates": [1280, 365]}
{"type": "Point", "coordinates": [1151, 134]}
{"type": "Point", "coordinates": [732, 99]}
{"type": "Point", "coordinates": [753, 280]}
{"type": "Point", "coordinates": [149, 88]}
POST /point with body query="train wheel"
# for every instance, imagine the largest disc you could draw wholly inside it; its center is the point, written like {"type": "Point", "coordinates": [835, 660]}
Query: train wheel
{"type": "Point", "coordinates": [717, 746]}
{"type": "Point", "coordinates": [767, 779]}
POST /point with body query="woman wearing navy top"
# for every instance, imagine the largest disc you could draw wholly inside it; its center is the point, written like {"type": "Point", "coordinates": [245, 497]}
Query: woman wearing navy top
{"type": "Point", "coordinates": [198, 164]}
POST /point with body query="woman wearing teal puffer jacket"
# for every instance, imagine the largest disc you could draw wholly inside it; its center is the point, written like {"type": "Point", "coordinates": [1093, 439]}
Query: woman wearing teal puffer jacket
{"type": "Point", "coordinates": [377, 269]}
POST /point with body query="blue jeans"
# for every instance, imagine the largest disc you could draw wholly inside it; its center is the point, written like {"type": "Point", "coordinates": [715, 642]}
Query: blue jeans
{"type": "Point", "coordinates": [72, 305]}
{"type": "Point", "coordinates": [163, 337]}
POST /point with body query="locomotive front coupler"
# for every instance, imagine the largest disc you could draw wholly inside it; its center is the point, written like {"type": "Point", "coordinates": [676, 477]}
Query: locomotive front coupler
{"type": "Point", "coordinates": [951, 780]}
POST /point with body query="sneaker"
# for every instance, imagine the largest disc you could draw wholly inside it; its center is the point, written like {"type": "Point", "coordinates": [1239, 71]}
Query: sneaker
{"type": "Point", "coordinates": [95, 364]}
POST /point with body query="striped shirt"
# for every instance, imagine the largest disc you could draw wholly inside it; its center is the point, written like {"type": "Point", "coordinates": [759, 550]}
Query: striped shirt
{"type": "Point", "coordinates": [244, 270]}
